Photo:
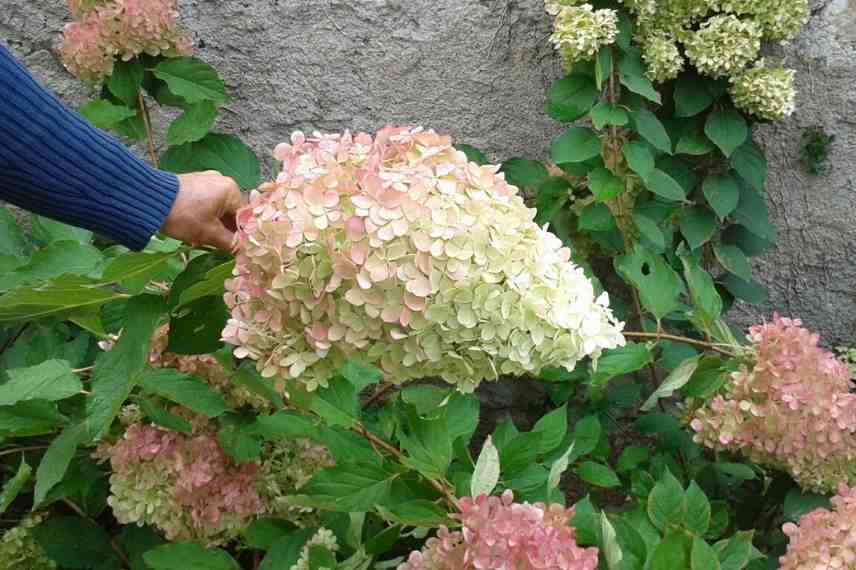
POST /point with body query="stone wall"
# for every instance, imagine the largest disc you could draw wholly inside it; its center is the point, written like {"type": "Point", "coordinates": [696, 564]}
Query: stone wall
{"type": "Point", "coordinates": [478, 69]}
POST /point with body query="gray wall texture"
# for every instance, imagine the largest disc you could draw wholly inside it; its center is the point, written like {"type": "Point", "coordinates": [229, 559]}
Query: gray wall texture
{"type": "Point", "coordinates": [479, 69]}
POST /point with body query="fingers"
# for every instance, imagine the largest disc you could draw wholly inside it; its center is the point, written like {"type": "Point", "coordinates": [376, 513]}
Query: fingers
{"type": "Point", "coordinates": [233, 199]}
{"type": "Point", "coordinates": [219, 236]}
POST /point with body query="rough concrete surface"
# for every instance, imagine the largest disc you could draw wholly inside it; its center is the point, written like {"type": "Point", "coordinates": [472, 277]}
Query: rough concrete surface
{"type": "Point", "coordinates": [478, 69]}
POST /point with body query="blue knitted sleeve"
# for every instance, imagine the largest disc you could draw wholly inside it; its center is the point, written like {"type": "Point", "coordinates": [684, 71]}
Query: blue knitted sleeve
{"type": "Point", "coordinates": [54, 163]}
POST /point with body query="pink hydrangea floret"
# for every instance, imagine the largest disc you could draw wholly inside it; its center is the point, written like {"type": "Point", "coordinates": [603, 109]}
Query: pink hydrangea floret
{"type": "Point", "coordinates": [790, 408]}
{"type": "Point", "coordinates": [396, 247]}
{"type": "Point", "coordinates": [824, 539]}
{"type": "Point", "coordinates": [499, 534]}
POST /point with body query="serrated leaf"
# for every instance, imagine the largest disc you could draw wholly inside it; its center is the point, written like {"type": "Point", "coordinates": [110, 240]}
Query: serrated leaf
{"type": "Point", "coordinates": [703, 292]}
{"type": "Point", "coordinates": [587, 433]}
{"type": "Point", "coordinates": [607, 114]}
{"type": "Point", "coordinates": [596, 218]}
{"type": "Point", "coordinates": [104, 114]}
{"type": "Point", "coordinates": [672, 552]}
{"type": "Point", "coordinates": [752, 213]}
{"type": "Point", "coordinates": [13, 486]}
{"type": "Point", "coordinates": [663, 185]}
{"type": "Point", "coordinates": [666, 502]}
{"type": "Point", "coordinates": [649, 229]}
{"type": "Point", "coordinates": [196, 327]}
{"type": "Point", "coordinates": [125, 81]}
{"type": "Point", "coordinates": [192, 79]}
{"type": "Point", "coordinates": [722, 193]}
{"type": "Point", "coordinates": [598, 474]}
{"type": "Point", "coordinates": [697, 518]}
{"type": "Point", "coordinates": [524, 173]}
{"type": "Point", "coordinates": [50, 231]}
{"type": "Point", "coordinates": [674, 381]}
{"type": "Point", "coordinates": [286, 551]}
{"type": "Point", "coordinates": [35, 417]}
{"type": "Point", "coordinates": [51, 380]}
{"type": "Point", "coordinates": [159, 416]}
{"type": "Point", "coordinates": [658, 284]}
{"type": "Point", "coordinates": [632, 457]}
{"type": "Point", "coordinates": [751, 164]}
{"type": "Point", "coordinates": [692, 95]}
{"type": "Point", "coordinates": [263, 533]}
{"type": "Point", "coordinates": [799, 503]}
{"type": "Point", "coordinates": [611, 549]}
{"type": "Point", "coordinates": [184, 389]}
{"type": "Point", "coordinates": [136, 541]}
{"type": "Point", "coordinates": [639, 158]}
{"type": "Point", "coordinates": [189, 556]}
{"type": "Point", "coordinates": [693, 143]}
{"type": "Point", "coordinates": [350, 487]}
{"type": "Point", "coordinates": [703, 556]}
{"type": "Point", "coordinates": [417, 512]}
{"type": "Point", "coordinates": [552, 195]}
{"type": "Point", "coordinates": [73, 542]}
{"type": "Point", "coordinates": [224, 153]}
{"type": "Point", "coordinates": [651, 129]}
{"type": "Point", "coordinates": [571, 97]}
{"type": "Point", "coordinates": [604, 185]}
{"type": "Point", "coordinates": [486, 473]}
{"type": "Point", "coordinates": [560, 466]}
{"type": "Point", "coordinates": [193, 124]}
{"type": "Point", "coordinates": [55, 260]}
{"type": "Point", "coordinates": [697, 225]}
{"type": "Point", "coordinates": [577, 144]}
{"type": "Point", "coordinates": [552, 427]}
{"type": "Point", "coordinates": [734, 553]}
{"type": "Point", "coordinates": [619, 361]}
{"type": "Point", "coordinates": [727, 129]}
{"type": "Point", "coordinates": [631, 74]}
{"type": "Point", "coordinates": [732, 259]}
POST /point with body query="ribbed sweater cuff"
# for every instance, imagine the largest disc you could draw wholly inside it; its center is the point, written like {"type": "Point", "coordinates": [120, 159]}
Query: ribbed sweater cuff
{"type": "Point", "coordinates": [161, 192]}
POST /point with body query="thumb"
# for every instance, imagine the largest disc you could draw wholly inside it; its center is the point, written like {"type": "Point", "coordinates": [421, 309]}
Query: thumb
{"type": "Point", "coordinates": [220, 236]}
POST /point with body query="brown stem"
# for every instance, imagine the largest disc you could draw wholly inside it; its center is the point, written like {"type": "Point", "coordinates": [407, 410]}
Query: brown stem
{"type": "Point", "coordinates": [23, 449]}
{"type": "Point", "coordinates": [664, 336]}
{"type": "Point", "coordinates": [147, 121]}
{"type": "Point", "coordinates": [382, 391]}
{"type": "Point", "coordinates": [115, 545]}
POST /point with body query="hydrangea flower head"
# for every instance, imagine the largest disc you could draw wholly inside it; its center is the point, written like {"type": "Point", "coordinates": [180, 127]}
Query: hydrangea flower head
{"type": "Point", "coordinates": [790, 408]}
{"type": "Point", "coordinates": [723, 45]}
{"type": "Point", "coordinates": [824, 538]}
{"type": "Point", "coordinates": [766, 92]}
{"type": "Point", "coordinates": [580, 31]}
{"type": "Point", "coordinates": [19, 549]}
{"type": "Point", "coordinates": [107, 29]}
{"type": "Point", "coordinates": [499, 534]}
{"type": "Point", "coordinates": [397, 247]}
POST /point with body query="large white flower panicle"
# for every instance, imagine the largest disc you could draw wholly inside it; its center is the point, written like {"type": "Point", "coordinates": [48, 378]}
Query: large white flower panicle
{"type": "Point", "coordinates": [397, 249]}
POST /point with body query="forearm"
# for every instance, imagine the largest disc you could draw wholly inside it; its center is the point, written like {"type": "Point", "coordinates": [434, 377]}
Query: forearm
{"type": "Point", "coordinates": [54, 163]}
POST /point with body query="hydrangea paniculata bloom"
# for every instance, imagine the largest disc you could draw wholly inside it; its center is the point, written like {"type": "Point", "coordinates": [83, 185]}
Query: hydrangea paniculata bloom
{"type": "Point", "coordinates": [790, 408]}
{"type": "Point", "coordinates": [499, 534]}
{"type": "Point", "coordinates": [823, 538]}
{"type": "Point", "coordinates": [723, 45]}
{"type": "Point", "coordinates": [119, 28]}
{"type": "Point", "coordinates": [766, 92]}
{"type": "Point", "coordinates": [324, 538]}
{"type": "Point", "coordinates": [19, 550]}
{"type": "Point", "coordinates": [580, 31]}
{"type": "Point", "coordinates": [185, 486]}
{"type": "Point", "coordinates": [400, 249]}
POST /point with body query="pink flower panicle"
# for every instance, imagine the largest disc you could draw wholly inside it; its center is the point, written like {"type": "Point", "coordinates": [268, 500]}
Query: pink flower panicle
{"type": "Point", "coordinates": [792, 409]}
{"type": "Point", "coordinates": [106, 29]}
{"type": "Point", "coordinates": [824, 539]}
{"type": "Point", "coordinates": [499, 534]}
{"type": "Point", "coordinates": [184, 485]}
{"type": "Point", "coordinates": [398, 248]}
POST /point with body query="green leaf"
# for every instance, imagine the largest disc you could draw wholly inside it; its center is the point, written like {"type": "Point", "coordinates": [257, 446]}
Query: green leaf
{"type": "Point", "coordinates": [196, 327]}
{"type": "Point", "coordinates": [552, 428]}
{"type": "Point", "coordinates": [752, 214]}
{"type": "Point", "coordinates": [384, 540]}
{"type": "Point", "coordinates": [649, 230]}
{"type": "Point", "coordinates": [133, 128]}
{"type": "Point", "coordinates": [418, 512]}
{"type": "Point", "coordinates": [320, 558]}
{"type": "Point", "coordinates": [666, 502]}
{"type": "Point", "coordinates": [702, 290]}
{"type": "Point", "coordinates": [552, 195]}
{"type": "Point", "coordinates": [263, 533]}
{"type": "Point", "coordinates": [196, 272]}
{"type": "Point", "coordinates": [126, 80]}
{"type": "Point", "coordinates": [351, 487]}
{"type": "Point", "coordinates": [732, 258]}
{"type": "Point", "coordinates": [658, 284]}
{"type": "Point", "coordinates": [73, 542]}
{"type": "Point", "coordinates": [285, 425]}
{"type": "Point", "coordinates": [664, 185]}
{"type": "Point", "coordinates": [50, 231]}
{"type": "Point", "coordinates": [697, 225]}
{"type": "Point", "coordinates": [737, 470]}
{"type": "Point", "coordinates": [672, 552]}
{"type": "Point", "coordinates": [159, 416]}
{"type": "Point", "coordinates": [56, 460]}
{"type": "Point", "coordinates": [189, 556]}
{"type": "Point", "coordinates": [136, 541]}
{"type": "Point", "coordinates": [104, 114]}
{"type": "Point", "coordinates": [748, 242]}
{"type": "Point", "coordinates": [619, 361]}
{"type": "Point", "coordinates": [639, 158]}
{"type": "Point", "coordinates": [697, 518]}
{"type": "Point", "coordinates": [337, 404]}
{"type": "Point", "coordinates": [607, 114]}
{"type": "Point", "coordinates": [135, 265]}
{"type": "Point", "coordinates": [597, 474]}
{"type": "Point", "coordinates": [524, 173]}
{"type": "Point", "coordinates": [189, 391]}
{"type": "Point", "coordinates": [210, 285]}
{"type": "Point", "coordinates": [51, 380]}
{"type": "Point", "coordinates": [750, 291]}
{"type": "Point", "coordinates": [35, 417]}
{"type": "Point", "coordinates": [224, 153]}
{"type": "Point", "coordinates": [676, 380]}
{"type": "Point", "coordinates": [604, 184]}
{"type": "Point", "coordinates": [727, 129]}
{"type": "Point", "coordinates": [193, 124]}
{"type": "Point", "coordinates": [651, 129]}
{"type": "Point", "coordinates": [692, 95]}
{"type": "Point", "coordinates": [703, 556]}
{"type": "Point", "coordinates": [734, 553]}
{"type": "Point", "coordinates": [473, 154]}
{"type": "Point", "coordinates": [486, 473]}
{"type": "Point", "coordinates": [572, 97]}
{"type": "Point", "coordinates": [559, 467]}
{"type": "Point", "coordinates": [631, 73]}
{"type": "Point", "coordinates": [13, 486]}
{"type": "Point", "coordinates": [64, 257]}
{"type": "Point", "coordinates": [596, 218]}
{"type": "Point", "coordinates": [751, 164]}
{"type": "Point", "coordinates": [12, 240]}
{"type": "Point", "coordinates": [427, 443]}
{"type": "Point", "coordinates": [239, 443]}
{"type": "Point", "coordinates": [799, 503]}
{"type": "Point", "coordinates": [192, 79]}
{"type": "Point", "coordinates": [602, 66]}
{"type": "Point", "coordinates": [722, 193]}
{"type": "Point", "coordinates": [518, 453]}
{"type": "Point", "coordinates": [577, 144]}
{"type": "Point", "coordinates": [611, 549]}
{"type": "Point", "coordinates": [694, 143]}
{"type": "Point", "coordinates": [285, 552]}
{"type": "Point", "coordinates": [632, 457]}
{"type": "Point", "coordinates": [586, 436]}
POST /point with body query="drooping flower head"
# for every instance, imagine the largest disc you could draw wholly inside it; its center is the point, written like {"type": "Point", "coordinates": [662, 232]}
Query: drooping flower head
{"type": "Point", "coordinates": [107, 29]}
{"type": "Point", "coordinates": [399, 249]}
{"type": "Point", "coordinates": [790, 407]}
{"type": "Point", "coordinates": [824, 538]}
{"type": "Point", "coordinates": [499, 534]}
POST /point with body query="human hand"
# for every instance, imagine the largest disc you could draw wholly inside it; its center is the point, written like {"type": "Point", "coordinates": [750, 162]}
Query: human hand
{"type": "Point", "coordinates": [204, 210]}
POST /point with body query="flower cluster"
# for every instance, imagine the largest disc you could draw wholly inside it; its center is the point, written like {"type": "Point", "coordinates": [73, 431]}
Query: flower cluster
{"type": "Point", "coordinates": [398, 248]}
{"type": "Point", "coordinates": [185, 486]}
{"type": "Point", "coordinates": [207, 368]}
{"type": "Point", "coordinates": [723, 45]}
{"type": "Point", "coordinates": [580, 31]}
{"type": "Point", "coordinates": [500, 534]}
{"type": "Point", "coordinates": [662, 57]}
{"type": "Point", "coordinates": [765, 92]}
{"type": "Point", "coordinates": [126, 29]}
{"type": "Point", "coordinates": [324, 538]}
{"type": "Point", "coordinates": [790, 408]}
{"type": "Point", "coordinates": [19, 550]}
{"type": "Point", "coordinates": [824, 538]}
